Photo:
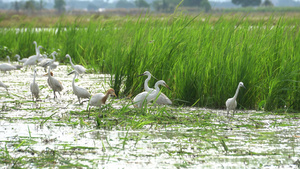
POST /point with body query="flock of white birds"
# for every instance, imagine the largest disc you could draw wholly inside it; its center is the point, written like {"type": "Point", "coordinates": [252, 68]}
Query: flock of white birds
{"type": "Point", "coordinates": [98, 99]}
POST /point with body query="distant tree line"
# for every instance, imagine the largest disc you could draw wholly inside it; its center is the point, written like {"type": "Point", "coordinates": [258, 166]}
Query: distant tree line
{"type": "Point", "coordinates": [31, 5]}
{"type": "Point", "coordinates": [157, 5]}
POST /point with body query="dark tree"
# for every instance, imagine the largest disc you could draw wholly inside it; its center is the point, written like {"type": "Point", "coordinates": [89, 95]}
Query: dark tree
{"type": "Point", "coordinates": [16, 6]}
{"type": "Point", "coordinates": [267, 3]}
{"type": "Point", "coordinates": [206, 5]}
{"type": "Point", "coordinates": [29, 5]}
{"type": "Point", "coordinates": [141, 4]}
{"type": "Point", "coordinates": [92, 7]}
{"type": "Point", "coordinates": [191, 2]}
{"type": "Point", "coordinates": [124, 4]}
{"type": "Point", "coordinates": [170, 5]}
{"type": "Point", "coordinates": [41, 5]}
{"type": "Point", "coordinates": [165, 5]}
{"type": "Point", "coordinates": [59, 5]}
{"type": "Point", "coordinates": [246, 3]}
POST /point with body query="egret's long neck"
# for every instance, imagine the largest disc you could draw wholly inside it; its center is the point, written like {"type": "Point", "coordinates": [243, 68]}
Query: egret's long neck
{"type": "Point", "coordinates": [49, 75]}
{"type": "Point", "coordinates": [146, 87]}
{"type": "Point", "coordinates": [73, 83]}
{"type": "Point", "coordinates": [236, 93]}
{"type": "Point", "coordinates": [38, 52]}
{"type": "Point", "coordinates": [53, 58]}
{"type": "Point", "coordinates": [18, 57]}
{"type": "Point", "coordinates": [8, 59]}
{"type": "Point", "coordinates": [156, 91]}
{"type": "Point", "coordinates": [71, 61]}
{"type": "Point", "coordinates": [36, 49]}
{"type": "Point", "coordinates": [105, 98]}
{"type": "Point", "coordinates": [34, 77]}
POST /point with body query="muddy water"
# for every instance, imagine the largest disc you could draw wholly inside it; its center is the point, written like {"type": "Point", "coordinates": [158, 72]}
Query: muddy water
{"type": "Point", "coordinates": [252, 139]}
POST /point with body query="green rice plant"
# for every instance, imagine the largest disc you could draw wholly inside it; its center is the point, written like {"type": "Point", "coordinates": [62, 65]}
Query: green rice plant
{"type": "Point", "coordinates": [201, 60]}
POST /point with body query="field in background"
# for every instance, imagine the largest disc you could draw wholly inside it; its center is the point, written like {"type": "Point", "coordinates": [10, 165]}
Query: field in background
{"type": "Point", "coordinates": [201, 57]}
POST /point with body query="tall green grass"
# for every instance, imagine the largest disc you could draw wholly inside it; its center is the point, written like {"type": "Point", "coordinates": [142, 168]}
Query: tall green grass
{"type": "Point", "coordinates": [202, 61]}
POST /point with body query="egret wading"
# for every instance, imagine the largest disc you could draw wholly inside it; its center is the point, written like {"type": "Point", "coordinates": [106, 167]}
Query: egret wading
{"type": "Point", "coordinates": [55, 85]}
{"type": "Point", "coordinates": [4, 86]}
{"type": "Point", "coordinates": [49, 62]}
{"type": "Point", "coordinates": [34, 88]}
{"type": "Point", "coordinates": [22, 60]}
{"type": "Point", "coordinates": [78, 68]}
{"type": "Point", "coordinates": [100, 98]}
{"type": "Point", "coordinates": [79, 91]}
{"type": "Point", "coordinates": [17, 66]}
{"type": "Point", "coordinates": [231, 102]}
{"type": "Point", "coordinates": [32, 60]}
{"type": "Point", "coordinates": [145, 97]}
{"type": "Point", "coordinates": [162, 98]}
{"type": "Point", "coordinates": [7, 66]}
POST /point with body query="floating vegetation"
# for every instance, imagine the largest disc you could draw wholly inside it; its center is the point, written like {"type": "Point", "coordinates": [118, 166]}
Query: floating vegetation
{"type": "Point", "coordinates": [58, 133]}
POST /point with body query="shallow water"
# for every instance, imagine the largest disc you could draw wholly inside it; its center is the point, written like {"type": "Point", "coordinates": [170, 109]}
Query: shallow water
{"type": "Point", "coordinates": [28, 129]}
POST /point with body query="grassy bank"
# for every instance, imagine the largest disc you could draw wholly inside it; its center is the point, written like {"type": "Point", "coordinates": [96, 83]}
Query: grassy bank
{"type": "Point", "coordinates": [201, 58]}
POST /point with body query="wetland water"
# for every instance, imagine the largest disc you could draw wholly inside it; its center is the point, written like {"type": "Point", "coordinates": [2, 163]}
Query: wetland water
{"type": "Point", "coordinates": [56, 133]}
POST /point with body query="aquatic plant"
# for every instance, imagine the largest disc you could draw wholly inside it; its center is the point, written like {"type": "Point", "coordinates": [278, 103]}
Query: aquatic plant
{"type": "Point", "coordinates": [201, 60]}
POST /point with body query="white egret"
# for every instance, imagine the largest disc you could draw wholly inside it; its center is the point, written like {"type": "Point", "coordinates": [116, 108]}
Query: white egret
{"type": "Point", "coordinates": [4, 86]}
{"type": "Point", "coordinates": [162, 98]}
{"type": "Point", "coordinates": [80, 69]}
{"type": "Point", "coordinates": [231, 102]}
{"type": "Point", "coordinates": [32, 60]}
{"type": "Point", "coordinates": [100, 98]}
{"type": "Point", "coordinates": [7, 66]}
{"type": "Point", "coordinates": [146, 97]}
{"type": "Point", "coordinates": [22, 60]}
{"type": "Point", "coordinates": [17, 66]}
{"type": "Point", "coordinates": [79, 91]}
{"type": "Point", "coordinates": [36, 47]}
{"type": "Point", "coordinates": [37, 52]}
{"type": "Point", "coordinates": [41, 58]}
{"type": "Point", "coordinates": [44, 63]}
{"type": "Point", "coordinates": [55, 84]}
{"type": "Point", "coordinates": [49, 62]}
{"type": "Point", "coordinates": [34, 88]}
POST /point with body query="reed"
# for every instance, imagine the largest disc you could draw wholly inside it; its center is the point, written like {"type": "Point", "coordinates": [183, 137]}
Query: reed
{"type": "Point", "coordinates": [202, 61]}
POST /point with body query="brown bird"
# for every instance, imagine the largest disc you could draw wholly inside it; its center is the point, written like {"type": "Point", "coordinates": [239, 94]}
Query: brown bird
{"type": "Point", "coordinates": [55, 84]}
{"type": "Point", "coordinates": [100, 98]}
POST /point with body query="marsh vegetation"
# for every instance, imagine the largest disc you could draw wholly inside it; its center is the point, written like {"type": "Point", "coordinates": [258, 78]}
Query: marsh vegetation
{"type": "Point", "coordinates": [201, 58]}
{"type": "Point", "coordinates": [59, 133]}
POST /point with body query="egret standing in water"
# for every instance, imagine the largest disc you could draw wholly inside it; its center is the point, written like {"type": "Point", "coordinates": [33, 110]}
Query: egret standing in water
{"type": "Point", "coordinates": [34, 88]}
{"type": "Point", "coordinates": [32, 60]}
{"type": "Point", "coordinates": [100, 98]}
{"type": "Point", "coordinates": [7, 66]}
{"type": "Point", "coordinates": [146, 97]}
{"type": "Point", "coordinates": [162, 98]}
{"type": "Point", "coordinates": [55, 85]}
{"type": "Point", "coordinates": [79, 91]}
{"type": "Point", "coordinates": [231, 102]}
{"type": "Point", "coordinates": [17, 66]}
{"type": "Point", "coordinates": [22, 60]}
{"type": "Point", "coordinates": [80, 69]}
{"type": "Point", "coordinates": [49, 62]}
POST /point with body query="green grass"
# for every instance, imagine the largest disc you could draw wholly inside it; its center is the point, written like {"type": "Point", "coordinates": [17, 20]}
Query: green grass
{"type": "Point", "coordinates": [202, 61]}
